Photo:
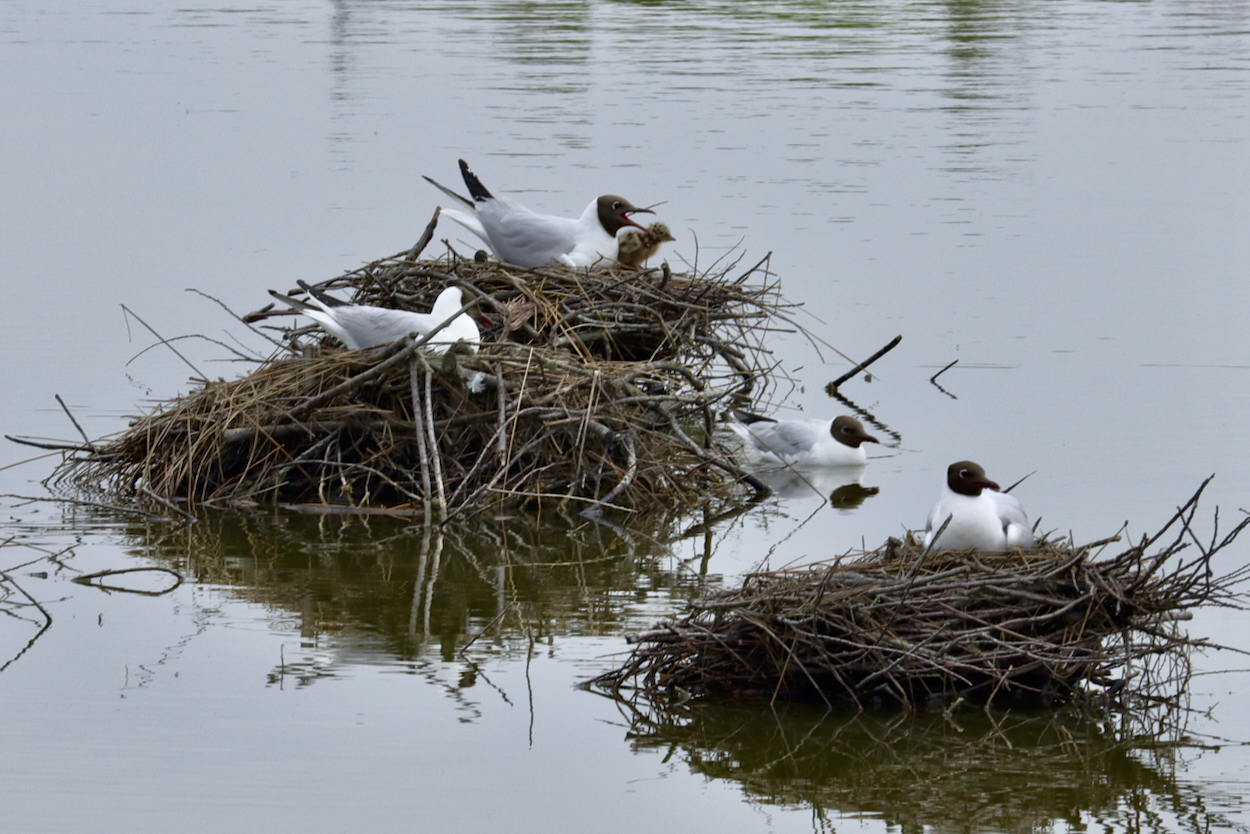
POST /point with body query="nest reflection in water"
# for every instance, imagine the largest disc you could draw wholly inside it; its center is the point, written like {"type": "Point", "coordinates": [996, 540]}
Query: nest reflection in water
{"type": "Point", "coordinates": [902, 627]}
{"type": "Point", "coordinates": [977, 771]}
{"type": "Point", "coordinates": [385, 588]}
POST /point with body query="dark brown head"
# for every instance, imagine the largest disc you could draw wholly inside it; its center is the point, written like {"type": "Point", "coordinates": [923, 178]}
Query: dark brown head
{"type": "Point", "coordinates": [614, 213]}
{"type": "Point", "coordinates": [850, 432]}
{"type": "Point", "coordinates": [968, 478]}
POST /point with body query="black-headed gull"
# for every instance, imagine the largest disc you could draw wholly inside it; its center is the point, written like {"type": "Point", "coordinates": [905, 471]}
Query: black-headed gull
{"type": "Point", "coordinates": [837, 442]}
{"type": "Point", "coordinates": [361, 326]}
{"type": "Point", "coordinates": [636, 246]}
{"type": "Point", "coordinates": [981, 517]}
{"type": "Point", "coordinates": [527, 239]}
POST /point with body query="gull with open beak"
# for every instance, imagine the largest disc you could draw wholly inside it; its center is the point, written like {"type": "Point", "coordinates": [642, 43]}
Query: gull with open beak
{"type": "Point", "coordinates": [527, 239]}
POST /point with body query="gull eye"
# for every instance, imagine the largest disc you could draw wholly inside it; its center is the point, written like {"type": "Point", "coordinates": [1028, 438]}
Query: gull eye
{"type": "Point", "coordinates": [964, 473]}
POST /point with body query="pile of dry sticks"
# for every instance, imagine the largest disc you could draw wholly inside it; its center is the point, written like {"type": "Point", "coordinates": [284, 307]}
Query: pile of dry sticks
{"type": "Point", "coordinates": [901, 627]}
{"type": "Point", "coordinates": [592, 390]}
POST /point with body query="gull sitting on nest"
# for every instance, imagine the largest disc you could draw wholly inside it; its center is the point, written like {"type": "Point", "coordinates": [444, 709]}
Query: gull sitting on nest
{"type": "Point", "coordinates": [981, 517]}
{"type": "Point", "coordinates": [361, 326]}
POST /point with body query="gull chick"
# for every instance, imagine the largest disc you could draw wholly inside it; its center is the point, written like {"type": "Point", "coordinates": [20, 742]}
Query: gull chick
{"type": "Point", "coordinates": [637, 245]}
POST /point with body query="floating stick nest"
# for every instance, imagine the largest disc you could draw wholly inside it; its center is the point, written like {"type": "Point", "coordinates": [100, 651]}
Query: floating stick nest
{"type": "Point", "coordinates": [899, 627]}
{"type": "Point", "coordinates": [594, 390]}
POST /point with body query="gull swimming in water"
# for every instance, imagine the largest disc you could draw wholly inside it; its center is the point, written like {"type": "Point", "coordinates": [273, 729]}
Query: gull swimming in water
{"type": "Point", "coordinates": [814, 443]}
{"type": "Point", "coordinates": [524, 238]}
{"type": "Point", "coordinates": [981, 517]}
{"type": "Point", "coordinates": [636, 246]}
{"type": "Point", "coordinates": [361, 325]}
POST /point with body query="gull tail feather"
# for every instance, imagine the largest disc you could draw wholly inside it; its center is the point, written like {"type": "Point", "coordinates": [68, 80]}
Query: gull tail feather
{"type": "Point", "coordinates": [476, 189]}
{"type": "Point", "coordinates": [293, 303]}
{"type": "Point", "coordinates": [322, 296]}
{"type": "Point", "coordinates": [747, 418]}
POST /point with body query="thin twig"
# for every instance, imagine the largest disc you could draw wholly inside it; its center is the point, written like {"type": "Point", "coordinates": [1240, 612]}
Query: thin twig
{"type": "Point", "coordinates": [166, 342]}
{"type": "Point", "coordinates": [86, 439]}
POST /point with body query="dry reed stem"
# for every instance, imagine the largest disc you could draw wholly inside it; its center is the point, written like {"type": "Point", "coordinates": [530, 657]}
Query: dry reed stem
{"type": "Point", "coordinates": [593, 398]}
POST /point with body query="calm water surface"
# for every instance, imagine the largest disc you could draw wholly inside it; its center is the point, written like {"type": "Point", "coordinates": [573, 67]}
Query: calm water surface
{"type": "Point", "coordinates": [1052, 193]}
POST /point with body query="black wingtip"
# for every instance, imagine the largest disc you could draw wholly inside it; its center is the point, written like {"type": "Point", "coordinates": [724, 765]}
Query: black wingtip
{"type": "Point", "coordinates": [476, 189]}
{"type": "Point", "coordinates": [321, 295]}
{"type": "Point", "coordinates": [747, 418]}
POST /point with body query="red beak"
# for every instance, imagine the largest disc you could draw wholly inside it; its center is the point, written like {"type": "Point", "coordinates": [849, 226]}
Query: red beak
{"type": "Point", "coordinates": [626, 218]}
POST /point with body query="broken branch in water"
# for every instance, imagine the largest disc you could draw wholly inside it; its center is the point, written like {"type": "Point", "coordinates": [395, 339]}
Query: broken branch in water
{"type": "Point", "coordinates": [933, 379]}
{"type": "Point", "coordinates": [952, 364]}
{"type": "Point", "coordinates": [833, 386]}
{"type": "Point", "coordinates": [88, 579]}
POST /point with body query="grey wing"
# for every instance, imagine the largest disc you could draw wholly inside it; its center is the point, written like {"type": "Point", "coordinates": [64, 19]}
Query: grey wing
{"type": "Point", "coordinates": [471, 222]}
{"type": "Point", "coordinates": [368, 326]}
{"type": "Point", "coordinates": [523, 237]}
{"type": "Point", "coordinates": [788, 438]}
{"type": "Point", "coordinates": [937, 517]}
{"type": "Point", "coordinates": [934, 520]}
{"type": "Point", "coordinates": [1015, 521]}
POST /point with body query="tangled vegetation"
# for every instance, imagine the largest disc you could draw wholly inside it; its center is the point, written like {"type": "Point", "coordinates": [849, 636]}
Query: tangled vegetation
{"type": "Point", "coordinates": [899, 626]}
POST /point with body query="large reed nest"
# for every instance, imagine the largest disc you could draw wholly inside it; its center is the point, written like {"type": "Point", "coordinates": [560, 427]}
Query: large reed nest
{"type": "Point", "coordinates": [595, 390]}
{"type": "Point", "coordinates": [901, 627]}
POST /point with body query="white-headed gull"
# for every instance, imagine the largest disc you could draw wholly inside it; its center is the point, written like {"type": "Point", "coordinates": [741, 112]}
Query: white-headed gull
{"type": "Point", "coordinates": [361, 326]}
{"type": "Point", "coordinates": [981, 517]}
{"type": "Point", "coordinates": [837, 442]}
{"type": "Point", "coordinates": [636, 246]}
{"type": "Point", "coordinates": [527, 239]}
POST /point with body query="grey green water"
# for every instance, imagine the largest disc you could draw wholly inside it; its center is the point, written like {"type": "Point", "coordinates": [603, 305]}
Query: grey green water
{"type": "Point", "coordinates": [1053, 193]}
